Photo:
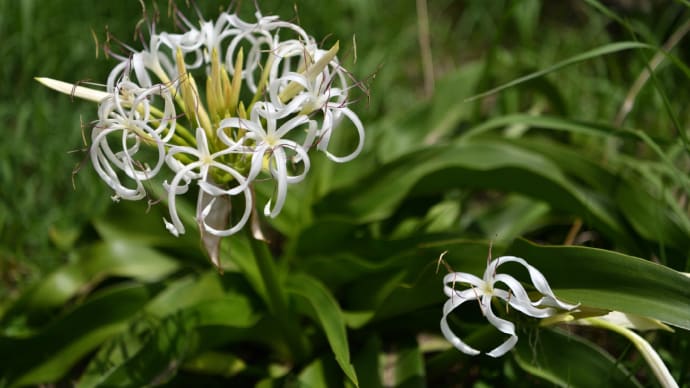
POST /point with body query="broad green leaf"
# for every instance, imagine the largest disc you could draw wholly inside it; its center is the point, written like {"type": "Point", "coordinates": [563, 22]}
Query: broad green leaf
{"type": "Point", "coordinates": [323, 307]}
{"type": "Point", "coordinates": [631, 194]}
{"type": "Point", "coordinates": [570, 361]}
{"type": "Point", "coordinates": [95, 263]}
{"type": "Point", "coordinates": [167, 344]}
{"type": "Point", "coordinates": [481, 164]}
{"type": "Point", "coordinates": [438, 116]}
{"type": "Point", "coordinates": [609, 280]}
{"type": "Point", "coordinates": [652, 214]}
{"type": "Point", "coordinates": [135, 222]}
{"type": "Point", "coordinates": [549, 122]}
{"type": "Point", "coordinates": [186, 292]}
{"type": "Point", "coordinates": [52, 352]}
{"type": "Point", "coordinates": [512, 217]}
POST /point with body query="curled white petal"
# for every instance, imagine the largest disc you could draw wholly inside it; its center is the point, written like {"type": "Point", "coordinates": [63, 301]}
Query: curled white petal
{"type": "Point", "coordinates": [204, 212]}
{"type": "Point", "coordinates": [323, 145]}
{"type": "Point", "coordinates": [448, 307]}
{"type": "Point", "coordinates": [126, 124]}
{"type": "Point", "coordinates": [504, 326]}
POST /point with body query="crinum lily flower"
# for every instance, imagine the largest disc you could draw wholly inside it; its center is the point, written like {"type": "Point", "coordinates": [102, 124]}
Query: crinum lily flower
{"type": "Point", "coordinates": [201, 170]}
{"type": "Point", "coordinates": [484, 290]}
{"type": "Point", "coordinates": [125, 124]}
{"type": "Point", "coordinates": [270, 145]}
{"type": "Point", "coordinates": [154, 99]}
{"type": "Point", "coordinates": [321, 87]}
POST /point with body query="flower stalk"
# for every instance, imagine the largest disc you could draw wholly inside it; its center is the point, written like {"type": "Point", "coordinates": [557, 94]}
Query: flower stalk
{"type": "Point", "coordinates": [277, 300]}
{"type": "Point", "coordinates": [656, 364]}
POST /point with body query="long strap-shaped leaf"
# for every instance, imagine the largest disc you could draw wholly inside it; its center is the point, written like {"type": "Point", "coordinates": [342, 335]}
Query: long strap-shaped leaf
{"type": "Point", "coordinates": [326, 311]}
{"type": "Point", "coordinates": [609, 280]}
{"type": "Point", "coordinates": [479, 164]}
{"type": "Point", "coordinates": [594, 53]}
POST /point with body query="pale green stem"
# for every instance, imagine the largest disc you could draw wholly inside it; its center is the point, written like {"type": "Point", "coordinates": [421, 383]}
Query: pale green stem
{"type": "Point", "coordinates": [650, 355]}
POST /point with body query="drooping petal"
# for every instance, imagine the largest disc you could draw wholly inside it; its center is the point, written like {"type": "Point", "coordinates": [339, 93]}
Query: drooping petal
{"type": "Point", "coordinates": [218, 219]}
{"type": "Point", "coordinates": [323, 145]}
{"type": "Point", "coordinates": [448, 307]}
{"type": "Point", "coordinates": [279, 172]}
{"type": "Point", "coordinates": [503, 326]}
{"type": "Point", "coordinates": [173, 190]}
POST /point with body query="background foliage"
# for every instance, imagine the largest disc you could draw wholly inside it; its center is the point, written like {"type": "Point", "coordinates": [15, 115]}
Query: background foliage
{"type": "Point", "coordinates": [99, 294]}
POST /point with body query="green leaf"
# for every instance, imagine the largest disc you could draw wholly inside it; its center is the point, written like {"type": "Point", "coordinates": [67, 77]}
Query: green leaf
{"type": "Point", "coordinates": [167, 344]}
{"type": "Point", "coordinates": [630, 193]}
{"type": "Point", "coordinates": [325, 309]}
{"type": "Point", "coordinates": [186, 292]}
{"type": "Point", "coordinates": [478, 164]}
{"type": "Point", "coordinates": [367, 362]}
{"type": "Point", "coordinates": [594, 53]}
{"type": "Point", "coordinates": [135, 222]}
{"type": "Point", "coordinates": [322, 372]}
{"type": "Point", "coordinates": [438, 117]}
{"type": "Point", "coordinates": [512, 217]}
{"type": "Point", "coordinates": [50, 353]}
{"type": "Point", "coordinates": [570, 361]}
{"type": "Point", "coordinates": [95, 263]}
{"type": "Point", "coordinates": [549, 122]}
{"type": "Point", "coordinates": [651, 213]}
{"type": "Point", "coordinates": [609, 280]}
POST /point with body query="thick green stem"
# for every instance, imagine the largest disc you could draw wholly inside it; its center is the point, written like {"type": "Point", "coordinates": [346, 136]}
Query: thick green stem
{"type": "Point", "coordinates": [277, 299]}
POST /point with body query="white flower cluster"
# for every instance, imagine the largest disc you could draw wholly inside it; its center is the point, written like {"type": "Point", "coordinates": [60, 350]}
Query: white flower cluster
{"type": "Point", "coordinates": [267, 101]}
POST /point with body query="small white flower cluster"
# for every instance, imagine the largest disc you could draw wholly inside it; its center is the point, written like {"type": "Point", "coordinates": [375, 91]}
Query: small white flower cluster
{"type": "Point", "coordinates": [485, 290]}
{"type": "Point", "coordinates": [267, 102]}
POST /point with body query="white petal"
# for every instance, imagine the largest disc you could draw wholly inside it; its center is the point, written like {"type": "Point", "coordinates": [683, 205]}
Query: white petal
{"type": "Point", "coordinates": [539, 281]}
{"type": "Point", "coordinates": [503, 326]}
{"type": "Point", "coordinates": [360, 137]}
{"type": "Point", "coordinates": [454, 279]}
{"type": "Point", "coordinates": [448, 307]}
{"type": "Point", "coordinates": [216, 192]}
{"type": "Point", "coordinates": [171, 228]}
{"type": "Point", "coordinates": [279, 172]}
{"type": "Point", "coordinates": [73, 90]}
{"type": "Point", "coordinates": [519, 299]}
{"type": "Point", "coordinates": [172, 195]}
